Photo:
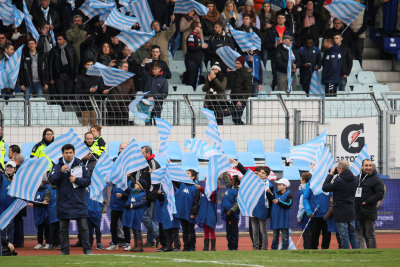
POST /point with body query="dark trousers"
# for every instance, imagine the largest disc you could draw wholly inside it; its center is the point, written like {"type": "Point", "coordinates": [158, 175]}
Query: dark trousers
{"type": "Point", "coordinates": [343, 83]}
{"type": "Point", "coordinates": [162, 235]}
{"type": "Point", "coordinates": [232, 232]}
{"type": "Point", "coordinates": [115, 216]}
{"type": "Point", "coordinates": [64, 85]}
{"type": "Point", "coordinates": [83, 231]}
{"type": "Point", "coordinates": [237, 113]}
{"type": "Point", "coordinates": [274, 75]}
{"type": "Point", "coordinates": [357, 47]}
{"type": "Point", "coordinates": [368, 231]}
{"type": "Point", "coordinates": [18, 230]}
{"type": "Point", "coordinates": [331, 89]}
{"type": "Point", "coordinates": [191, 76]}
{"type": "Point", "coordinates": [54, 235]}
{"type": "Point", "coordinates": [319, 225]}
{"type": "Point", "coordinates": [137, 235]}
{"type": "Point", "coordinates": [307, 238]}
{"type": "Point", "coordinates": [43, 229]}
{"type": "Point", "coordinates": [172, 238]}
{"type": "Point", "coordinates": [94, 228]}
{"type": "Point", "coordinates": [189, 235]}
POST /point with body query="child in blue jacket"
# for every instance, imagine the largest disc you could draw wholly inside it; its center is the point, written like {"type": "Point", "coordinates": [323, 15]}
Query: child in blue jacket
{"type": "Point", "coordinates": [95, 212]}
{"type": "Point", "coordinates": [54, 225]}
{"type": "Point", "coordinates": [132, 215]}
{"type": "Point", "coordinates": [41, 217]}
{"type": "Point", "coordinates": [302, 217]}
{"type": "Point", "coordinates": [230, 212]}
{"type": "Point", "coordinates": [5, 200]}
{"type": "Point", "coordinates": [280, 214]}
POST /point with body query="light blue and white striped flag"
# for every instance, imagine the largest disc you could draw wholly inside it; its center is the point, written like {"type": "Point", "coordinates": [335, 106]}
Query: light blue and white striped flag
{"type": "Point", "coordinates": [9, 70]}
{"type": "Point", "coordinates": [164, 130]}
{"type": "Point", "coordinates": [132, 106]}
{"type": "Point", "coordinates": [228, 56]}
{"type": "Point", "coordinates": [356, 166]}
{"type": "Point", "coordinates": [28, 178]}
{"type": "Point", "coordinates": [158, 175]}
{"type": "Point", "coordinates": [101, 174]}
{"type": "Point", "coordinates": [111, 76]}
{"type": "Point", "coordinates": [289, 68]}
{"type": "Point", "coordinates": [29, 24]}
{"type": "Point", "coordinates": [200, 148]}
{"type": "Point", "coordinates": [316, 87]}
{"type": "Point", "coordinates": [130, 160]}
{"type": "Point", "coordinates": [11, 212]}
{"type": "Point", "coordinates": [321, 170]}
{"type": "Point", "coordinates": [250, 190]}
{"type": "Point", "coordinates": [345, 10]}
{"type": "Point", "coordinates": [71, 3]}
{"type": "Point", "coordinates": [246, 41]}
{"type": "Point", "coordinates": [124, 2]}
{"type": "Point", "coordinates": [92, 8]}
{"type": "Point", "coordinates": [53, 37]}
{"type": "Point", "coordinates": [176, 173]}
{"type": "Point", "coordinates": [134, 39]}
{"type": "Point", "coordinates": [120, 21]}
{"type": "Point", "coordinates": [53, 151]}
{"type": "Point", "coordinates": [10, 14]}
{"type": "Point", "coordinates": [212, 129]}
{"type": "Point", "coordinates": [140, 9]}
{"type": "Point", "coordinates": [308, 151]}
{"type": "Point", "coordinates": [185, 6]}
{"type": "Point", "coordinates": [217, 165]}
{"type": "Point", "coordinates": [163, 177]}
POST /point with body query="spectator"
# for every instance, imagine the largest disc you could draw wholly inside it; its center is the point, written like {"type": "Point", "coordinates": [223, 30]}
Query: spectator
{"type": "Point", "coordinates": [155, 56]}
{"type": "Point", "coordinates": [330, 72]}
{"type": "Point", "coordinates": [16, 37]}
{"type": "Point", "coordinates": [90, 159]}
{"type": "Point", "coordinates": [107, 56]}
{"type": "Point", "coordinates": [339, 27]}
{"type": "Point", "coordinates": [90, 47]}
{"type": "Point", "coordinates": [162, 37]}
{"type": "Point", "coordinates": [248, 27]}
{"type": "Point", "coordinates": [12, 150]}
{"type": "Point", "coordinates": [253, 60]}
{"type": "Point", "coordinates": [34, 73]}
{"type": "Point", "coordinates": [18, 159]}
{"type": "Point", "coordinates": [76, 35]}
{"type": "Point", "coordinates": [71, 178]}
{"type": "Point", "coordinates": [138, 57]}
{"type": "Point", "coordinates": [159, 9]}
{"type": "Point", "coordinates": [230, 15]}
{"type": "Point", "coordinates": [370, 190]}
{"type": "Point", "coordinates": [293, 21]}
{"type": "Point", "coordinates": [311, 23]}
{"type": "Point", "coordinates": [116, 45]}
{"type": "Point", "coordinates": [358, 26]}
{"type": "Point", "coordinates": [299, 6]}
{"type": "Point", "coordinates": [208, 20]}
{"type": "Point", "coordinates": [282, 59]}
{"type": "Point", "coordinates": [267, 21]}
{"type": "Point", "coordinates": [194, 56]}
{"type": "Point", "coordinates": [347, 60]}
{"type": "Point", "coordinates": [64, 66]}
{"type": "Point", "coordinates": [344, 187]}
{"type": "Point", "coordinates": [127, 56]}
{"type": "Point", "coordinates": [3, 42]}
{"type": "Point", "coordinates": [7, 248]}
{"type": "Point", "coordinates": [88, 85]}
{"type": "Point", "coordinates": [215, 98]}
{"type": "Point", "coordinates": [8, 52]}
{"type": "Point", "coordinates": [185, 28]}
{"type": "Point", "coordinates": [249, 9]}
{"type": "Point", "coordinates": [45, 42]}
{"type": "Point", "coordinates": [241, 90]}
{"type": "Point", "coordinates": [46, 14]}
{"type": "Point", "coordinates": [310, 57]}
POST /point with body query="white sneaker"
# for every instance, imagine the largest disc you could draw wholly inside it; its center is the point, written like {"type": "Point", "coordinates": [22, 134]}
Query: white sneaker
{"type": "Point", "coordinates": [47, 246]}
{"type": "Point", "coordinates": [127, 247]}
{"type": "Point", "coordinates": [112, 247]}
{"type": "Point", "coordinates": [38, 246]}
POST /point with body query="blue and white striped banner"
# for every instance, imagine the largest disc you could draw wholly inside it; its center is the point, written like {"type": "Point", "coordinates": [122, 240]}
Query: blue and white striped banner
{"type": "Point", "coordinates": [345, 10]}
{"type": "Point", "coordinates": [212, 129]}
{"type": "Point", "coordinates": [163, 176]}
{"type": "Point", "coordinates": [200, 148]}
{"type": "Point", "coordinates": [289, 68]}
{"type": "Point", "coordinates": [130, 160]}
{"type": "Point", "coordinates": [217, 165]}
{"type": "Point", "coordinates": [53, 151]}
{"type": "Point", "coordinates": [356, 166]}
{"type": "Point", "coordinates": [158, 175]}
{"type": "Point", "coordinates": [101, 174]}
{"type": "Point", "coordinates": [164, 130]}
{"type": "Point", "coordinates": [144, 117]}
{"type": "Point", "coordinates": [111, 76]}
{"type": "Point", "coordinates": [11, 212]}
{"type": "Point", "coordinates": [176, 173]}
{"type": "Point", "coordinates": [28, 178]}
{"type": "Point", "coordinates": [321, 170]}
{"type": "Point", "coordinates": [92, 8]}
{"type": "Point", "coordinates": [29, 24]}
{"type": "Point", "coordinates": [246, 41]}
{"type": "Point", "coordinates": [132, 106]}
{"type": "Point", "coordinates": [134, 39]}
{"type": "Point", "coordinates": [9, 70]}
{"type": "Point", "coordinates": [228, 56]}
{"type": "Point", "coordinates": [120, 21]}
{"type": "Point", "coordinates": [124, 2]}
{"type": "Point", "coordinates": [250, 190]}
{"type": "Point", "coordinates": [53, 37]}
{"type": "Point", "coordinates": [316, 87]}
{"type": "Point", "coordinates": [140, 9]}
{"type": "Point", "coordinates": [308, 151]}
{"type": "Point", "coordinates": [185, 6]}
{"type": "Point", "coordinates": [10, 14]}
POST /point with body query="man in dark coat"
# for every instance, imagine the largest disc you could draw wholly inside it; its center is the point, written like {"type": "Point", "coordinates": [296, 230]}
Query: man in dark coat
{"type": "Point", "coordinates": [71, 178]}
{"type": "Point", "coordinates": [347, 60]}
{"type": "Point", "coordinates": [370, 190]}
{"type": "Point", "coordinates": [310, 61]}
{"type": "Point", "coordinates": [343, 185]}
{"type": "Point", "coordinates": [331, 64]}
{"type": "Point", "coordinates": [46, 14]}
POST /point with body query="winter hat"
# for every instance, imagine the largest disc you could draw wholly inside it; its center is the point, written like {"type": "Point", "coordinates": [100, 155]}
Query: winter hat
{"type": "Point", "coordinates": [290, 1]}
{"type": "Point", "coordinates": [249, 2]}
{"type": "Point", "coordinates": [241, 59]}
{"type": "Point", "coordinates": [216, 65]}
{"type": "Point", "coordinates": [142, 183]}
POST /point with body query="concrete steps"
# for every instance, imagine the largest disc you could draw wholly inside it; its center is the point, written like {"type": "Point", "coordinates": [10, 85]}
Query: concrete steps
{"type": "Point", "coordinates": [387, 76]}
{"type": "Point", "coordinates": [377, 65]}
{"type": "Point", "coordinates": [394, 86]}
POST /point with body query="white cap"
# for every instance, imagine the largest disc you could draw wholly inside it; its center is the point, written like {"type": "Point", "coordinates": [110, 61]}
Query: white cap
{"type": "Point", "coordinates": [12, 163]}
{"type": "Point", "coordinates": [283, 181]}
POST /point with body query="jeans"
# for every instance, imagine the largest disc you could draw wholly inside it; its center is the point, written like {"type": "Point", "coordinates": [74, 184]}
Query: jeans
{"type": "Point", "coordinates": [36, 90]}
{"type": "Point", "coordinates": [232, 232]}
{"type": "Point", "coordinates": [368, 231]}
{"type": "Point", "coordinates": [319, 225]}
{"type": "Point", "coordinates": [347, 234]}
{"type": "Point", "coordinates": [193, 69]}
{"type": "Point", "coordinates": [148, 221]}
{"type": "Point", "coordinates": [331, 89]}
{"type": "Point", "coordinates": [259, 227]}
{"type": "Point", "coordinates": [83, 231]}
{"type": "Point", "coordinates": [285, 239]}
{"type": "Point", "coordinates": [254, 88]}
{"type": "Point", "coordinates": [8, 232]}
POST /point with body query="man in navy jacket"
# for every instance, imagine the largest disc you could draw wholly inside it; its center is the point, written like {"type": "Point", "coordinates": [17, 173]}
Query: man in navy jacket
{"type": "Point", "coordinates": [71, 178]}
{"type": "Point", "coordinates": [332, 67]}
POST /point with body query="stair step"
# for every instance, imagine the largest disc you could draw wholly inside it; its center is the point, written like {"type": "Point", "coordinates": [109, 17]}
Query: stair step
{"type": "Point", "coordinates": [397, 66]}
{"type": "Point", "coordinates": [377, 65]}
{"type": "Point", "coordinates": [368, 43]}
{"type": "Point", "coordinates": [394, 86]}
{"type": "Point", "coordinates": [370, 52]}
{"type": "Point", "coordinates": [387, 76]}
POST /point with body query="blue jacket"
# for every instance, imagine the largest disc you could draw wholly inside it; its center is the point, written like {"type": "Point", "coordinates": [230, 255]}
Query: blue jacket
{"type": "Point", "coordinates": [228, 201]}
{"type": "Point", "coordinates": [311, 201]}
{"type": "Point", "coordinates": [308, 55]}
{"type": "Point", "coordinates": [40, 211]}
{"type": "Point", "coordinates": [255, 65]}
{"type": "Point", "coordinates": [53, 205]}
{"type": "Point", "coordinates": [188, 202]}
{"type": "Point", "coordinates": [135, 207]}
{"type": "Point", "coordinates": [301, 213]}
{"type": "Point", "coordinates": [117, 204]}
{"type": "Point", "coordinates": [95, 210]}
{"type": "Point", "coordinates": [280, 214]}
{"type": "Point", "coordinates": [165, 218]}
{"type": "Point", "coordinates": [207, 213]}
{"type": "Point", "coordinates": [5, 199]}
{"type": "Point", "coordinates": [71, 202]}
{"type": "Point", "coordinates": [262, 208]}
{"type": "Point", "coordinates": [331, 64]}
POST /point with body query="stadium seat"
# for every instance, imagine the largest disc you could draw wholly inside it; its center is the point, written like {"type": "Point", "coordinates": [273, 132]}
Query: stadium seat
{"type": "Point", "coordinates": [283, 147]}
{"type": "Point", "coordinates": [274, 161]}
{"type": "Point", "coordinates": [190, 161]}
{"type": "Point", "coordinates": [27, 149]}
{"type": "Point", "coordinates": [301, 164]}
{"type": "Point", "coordinates": [356, 67]}
{"type": "Point", "coordinates": [162, 160]}
{"type": "Point", "coordinates": [203, 172]}
{"type": "Point", "coordinates": [378, 89]}
{"type": "Point", "coordinates": [174, 151]}
{"type": "Point", "coordinates": [229, 149]}
{"type": "Point", "coordinates": [352, 79]}
{"type": "Point", "coordinates": [256, 147]}
{"type": "Point", "coordinates": [246, 159]}
{"type": "Point", "coordinates": [291, 173]}
{"type": "Point", "coordinates": [367, 77]}
{"type": "Point", "coordinates": [113, 149]}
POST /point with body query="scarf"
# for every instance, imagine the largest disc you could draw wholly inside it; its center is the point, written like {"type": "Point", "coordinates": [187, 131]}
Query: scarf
{"type": "Point", "coordinates": [309, 19]}
{"type": "Point", "coordinates": [69, 164]}
{"type": "Point", "coordinates": [64, 60]}
{"type": "Point", "coordinates": [45, 12]}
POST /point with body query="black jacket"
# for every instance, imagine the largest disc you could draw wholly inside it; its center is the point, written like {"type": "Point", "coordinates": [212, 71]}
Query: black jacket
{"type": "Point", "coordinates": [164, 67]}
{"type": "Point", "coordinates": [195, 50]}
{"type": "Point", "coordinates": [216, 41]}
{"type": "Point", "coordinates": [55, 62]}
{"type": "Point", "coordinates": [241, 84]}
{"type": "Point", "coordinates": [347, 61]}
{"type": "Point", "coordinates": [282, 57]}
{"type": "Point", "coordinates": [373, 190]}
{"type": "Point", "coordinates": [25, 74]}
{"type": "Point", "coordinates": [344, 189]}
{"type": "Point", "coordinates": [39, 19]}
{"type": "Point", "coordinates": [85, 82]}
{"type": "Point", "coordinates": [144, 174]}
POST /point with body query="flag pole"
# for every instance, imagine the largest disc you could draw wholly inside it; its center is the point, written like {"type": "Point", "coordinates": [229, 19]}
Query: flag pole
{"type": "Point", "coordinates": [305, 227]}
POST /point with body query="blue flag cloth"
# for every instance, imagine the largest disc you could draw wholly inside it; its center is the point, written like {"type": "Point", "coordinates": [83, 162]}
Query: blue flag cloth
{"type": "Point", "coordinates": [356, 166]}
{"type": "Point", "coordinates": [246, 41]}
{"type": "Point", "coordinates": [289, 68]}
{"type": "Point", "coordinates": [101, 174]}
{"type": "Point", "coordinates": [9, 69]}
{"type": "Point", "coordinates": [185, 6]}
{"type": "Point", "coordinates": [176, 173]}
{"type": "Point", "coordinates": [200, 148]}
{"type": "Point", "coordinates": [163, 177]}
{"type": "Point", "coordinates": [120, 21]}
{"type": "Point", "coordinates": [250, 190]}
{"type": "Point", "coordinates": [345, 10]}
{"type": "Point", "coordinates": [9, 14]}
{"type": "Point", "coordinates": [217, 165]}
{"type": "Point", "coordinates": [140, 9]}
{"type": "Point", "coordinates": [111, 76]}
{"type": "Point", "coordinates": [164, 130]}
{"type": "Point", "coordinates": [308, 151]}
{"type": "Point", "coordinates": [29, 24]}
{"type": "Point", "coordinates": [134, 39]}
{"type": "Point", "coordinates": [11, 212]}
{"type": "Point", "coordinates": [228, 56]}
{"type": "Point", "coordinates": [92, 8]}
{"type": "Point", "coordinates": [324, 163]}
{"type": "Point", "coordinates": [316, 87]}
{"type": "Point", "coordinates": [212, 129]}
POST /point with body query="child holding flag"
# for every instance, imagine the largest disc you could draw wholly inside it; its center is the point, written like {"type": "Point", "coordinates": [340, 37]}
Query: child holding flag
{"type": "Point", "coordinates": [230, 212]}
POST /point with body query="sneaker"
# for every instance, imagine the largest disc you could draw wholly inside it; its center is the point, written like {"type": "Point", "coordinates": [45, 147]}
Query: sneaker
{"type": "Point", "coordinates": [59, 247]}
{"type": "Point", "coordinates": [100, 247]}
{"type": "Point", "coordinates": [167, 250]}
{"type": "Point", "coordinates": [148, 245]}
{"type": "Point", "coordinates": [48, 247]}
{"type": "Point", "coordinates": [38, 246]}
{"type": "Point", "coordinates": [112, 247]}
{"type": "Point", "coordinates": [127, 247]}
{"type": "Point", "coordinates": [177, 250]}
{"type": "Point", "coordinates": [159, 249]}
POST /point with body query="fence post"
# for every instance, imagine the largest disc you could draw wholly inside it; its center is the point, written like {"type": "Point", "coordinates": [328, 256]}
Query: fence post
{"type": "Point", "coordinates": [380, 132]}
{"type": "Point", "coordinates": [297, 127]}
{"type": "Point", "coordinates": [287, 116]}
{"type": "Point", "coordinates": [186, 97]}
{"type": "Point", "coordinates": [386, 141]}
{"type": "Point", "coordinates": [27, 113]}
